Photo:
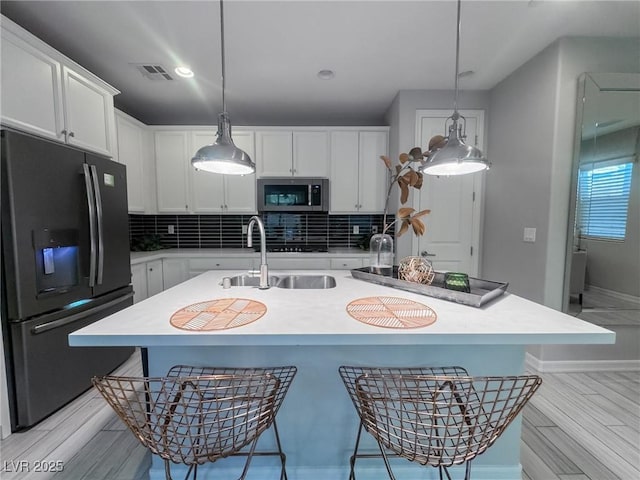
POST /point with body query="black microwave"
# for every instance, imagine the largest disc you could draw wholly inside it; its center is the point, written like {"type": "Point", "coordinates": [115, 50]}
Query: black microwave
{"type": "Point", "coordinates": [291, 194]}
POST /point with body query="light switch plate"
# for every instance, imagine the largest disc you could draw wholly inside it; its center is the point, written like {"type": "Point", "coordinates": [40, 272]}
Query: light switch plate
{"type": "Point", "coordinates": [171, 229]}
{"type": "Point", "coordinates": [529, 234]}
{"type": "Point", "coordinates": [374, 228]}
{"type": "Point", "coordinates": [356, 229]}
{"type": "Point", "coordinates": [245, 229]}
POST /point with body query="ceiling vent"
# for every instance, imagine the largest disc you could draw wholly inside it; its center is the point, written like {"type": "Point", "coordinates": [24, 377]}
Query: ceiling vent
{"type": "Point", "coordinates": [153, 71]}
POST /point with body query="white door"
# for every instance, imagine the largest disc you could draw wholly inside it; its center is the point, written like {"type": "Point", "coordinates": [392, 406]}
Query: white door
{"type": "Point", "coordinates": [344, 172]}
{"type": "Point", "coordinates": [130, 153]}
{"type": "Point", "coordinates": [453, 230]}
{"type": "Point", "coordinates": [240, 190]}
{"type": "Point", "coordinates": [311, 154]}
{"type": "Point", "coordinates": [207, 195]}
{"type": "Point", "coordinates": [172, 161]}
{"type": "Point", "coordinates": [274, 153]}
{"type": "Point", "coordinates": [372, 185]}
{"type": "Point", "coordinates": [87, 113]}
{"type": "Point", "coordinates": [31, 89]}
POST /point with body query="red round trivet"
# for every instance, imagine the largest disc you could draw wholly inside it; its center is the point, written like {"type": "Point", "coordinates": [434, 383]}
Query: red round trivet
{"type": "Point", "coordinates": [391, 312]}
{"type": "Point", "coordinates": [218, 314]}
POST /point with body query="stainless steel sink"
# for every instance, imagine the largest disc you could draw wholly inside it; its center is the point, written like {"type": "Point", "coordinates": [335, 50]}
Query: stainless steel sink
{"type": "Point", "coordinates": [306, 281]}
{"type": "Point", "coordinates": [286, 281]}
{"type": "Point", "coordinates": [250, 281]}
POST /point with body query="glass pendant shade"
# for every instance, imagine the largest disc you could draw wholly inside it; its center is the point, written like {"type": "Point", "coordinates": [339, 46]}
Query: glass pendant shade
{"type": "Point", "coordinates": [223, 156]}
{"type": "Point", "coordinates": [455, 157]}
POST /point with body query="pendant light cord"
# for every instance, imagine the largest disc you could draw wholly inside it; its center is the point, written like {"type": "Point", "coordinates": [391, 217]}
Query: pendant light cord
{"type": "Point", "coordinates": [455, 99]}
{"type": "Point", "coordinates": [224, 105]}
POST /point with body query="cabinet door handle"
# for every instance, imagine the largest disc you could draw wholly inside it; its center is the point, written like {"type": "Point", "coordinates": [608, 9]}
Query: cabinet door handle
{"type": "Point", "coordinates": [425, 253]}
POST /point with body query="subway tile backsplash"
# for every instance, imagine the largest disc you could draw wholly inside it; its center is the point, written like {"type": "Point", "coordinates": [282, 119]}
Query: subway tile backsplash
{"type": "Point", "coordinates": [225, 231]}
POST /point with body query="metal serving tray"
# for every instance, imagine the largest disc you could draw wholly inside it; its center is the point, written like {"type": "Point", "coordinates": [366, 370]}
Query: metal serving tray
{"type": "Point", "coordinates": [482, 291]}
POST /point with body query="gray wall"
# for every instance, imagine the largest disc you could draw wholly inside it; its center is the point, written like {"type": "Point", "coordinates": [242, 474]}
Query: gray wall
{"type": "Point", "coordinates": [401, 117]}
{"type": "Point", "coordinates": [531, 135]}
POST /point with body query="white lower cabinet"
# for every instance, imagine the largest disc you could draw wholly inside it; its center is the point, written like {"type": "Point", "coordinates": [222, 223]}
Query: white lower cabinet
{"type": "Point", "coordinates": [297, 263]}
{"type": "Point", "coordinates": [155, 281]}
{"type": "Point", "coordinates": [174, 271]}
{"type": "Point", "coordinates": [201, 265]}
{"type": "Point", "coordinates": [347, 263]}
{"type": "Point", "coordinates": [157, 275]}
{"type": "Point", "coordinates": [139, 282]}
{"type": "Point", "coordinates": [146, 279]}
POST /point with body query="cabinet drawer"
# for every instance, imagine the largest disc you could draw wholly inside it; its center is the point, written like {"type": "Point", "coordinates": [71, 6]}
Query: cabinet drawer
{"type": "Point", "coordinates": [226, 263]}
{"type": "Point", "coordinates": [298, 263]}
{"type": "Point", "coordinates": [346, 263]}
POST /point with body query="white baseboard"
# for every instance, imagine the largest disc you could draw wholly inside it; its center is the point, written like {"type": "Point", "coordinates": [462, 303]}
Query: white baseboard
{"type": "Point", "coordinates": [558, 366]}
{"type": "Point", "coordinates": [620, 295]}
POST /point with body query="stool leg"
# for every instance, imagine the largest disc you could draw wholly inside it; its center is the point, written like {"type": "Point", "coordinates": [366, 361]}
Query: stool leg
{"type": "Point", "coordinates": [249, 457]}
{"type": "Point", "coordinates": [352, 460]}
{"type": "Point", "coordinates": [283, 457]}
{"type": "Point", "coordinates": [386, 462]}
{"type": "Point", "coordinates": [467, 473]}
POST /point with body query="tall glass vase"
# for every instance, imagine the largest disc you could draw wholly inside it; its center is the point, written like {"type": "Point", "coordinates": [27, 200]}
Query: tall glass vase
{"type": "Point", "coordinates": [381, 254]}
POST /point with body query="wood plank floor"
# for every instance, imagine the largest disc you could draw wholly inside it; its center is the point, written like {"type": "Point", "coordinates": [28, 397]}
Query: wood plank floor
{"type": "Point", "coordinates": [578, 426]}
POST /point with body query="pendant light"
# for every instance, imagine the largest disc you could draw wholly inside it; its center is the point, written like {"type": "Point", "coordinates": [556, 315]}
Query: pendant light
{"type": "Point", "coordinates": [453, 156]}
{"type": "Point", "coordinates": [223, 156]}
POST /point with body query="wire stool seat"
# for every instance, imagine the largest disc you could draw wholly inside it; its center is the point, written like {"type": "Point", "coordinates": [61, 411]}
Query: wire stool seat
{"type": "Point", "coordinates": [350, 375]}
{"type": "Point", "coordinates": [193, 416]}
{"type": "Point", "coordinates": [440, 421]}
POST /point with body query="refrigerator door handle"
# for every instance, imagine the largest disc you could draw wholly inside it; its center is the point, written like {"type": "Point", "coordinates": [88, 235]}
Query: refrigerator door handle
{"type": "Point", "coordinates": [45, 327]}
{"type": "Point", "coordinates": [98, 197]}
{"type": "Point", "coordinates": [92, 224]}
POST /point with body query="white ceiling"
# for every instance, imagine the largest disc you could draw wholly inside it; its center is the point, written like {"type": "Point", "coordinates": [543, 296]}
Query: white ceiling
{"type": "Point", "coordinates": [274, 50]}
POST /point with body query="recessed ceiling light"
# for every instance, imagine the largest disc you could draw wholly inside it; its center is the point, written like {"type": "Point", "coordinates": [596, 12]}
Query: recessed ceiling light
{"type": "Point", "coordinates": [326, 74]}
{"type": "Point", "coordinates": [185, 72]}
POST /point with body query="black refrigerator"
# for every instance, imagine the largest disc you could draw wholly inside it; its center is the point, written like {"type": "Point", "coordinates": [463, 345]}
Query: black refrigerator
{"type": "Point", "coordinates": [65, 265]}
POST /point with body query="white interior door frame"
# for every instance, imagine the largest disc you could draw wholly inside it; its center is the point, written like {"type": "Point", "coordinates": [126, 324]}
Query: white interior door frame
{"type": "Point", "coordinates": [478, 184]}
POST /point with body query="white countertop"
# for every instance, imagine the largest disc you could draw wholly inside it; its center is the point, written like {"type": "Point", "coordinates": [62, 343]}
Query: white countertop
{"type": "Point", "coordinates": [319, 317]}
{"type": "Point", "coordinates": [141, 257]}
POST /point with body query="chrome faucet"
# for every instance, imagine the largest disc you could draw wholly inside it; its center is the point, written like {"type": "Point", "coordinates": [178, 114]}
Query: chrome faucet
{"type": "Point", "coordinates": [264, 269]}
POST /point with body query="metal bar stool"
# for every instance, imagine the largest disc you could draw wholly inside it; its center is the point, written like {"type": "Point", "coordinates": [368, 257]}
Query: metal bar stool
{"type": "Point", "coordinates": [284, 374]}
{"type": "Point", "coordinates": [193, 419]}
{"type": "Point", "coordinates": [440, 421]}
{"type": "Point", "coordinates": [350, 374]}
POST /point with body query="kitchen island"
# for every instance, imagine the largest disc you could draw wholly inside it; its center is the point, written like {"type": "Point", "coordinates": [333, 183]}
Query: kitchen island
{"type": "Point", "coordinates": [312, 330]}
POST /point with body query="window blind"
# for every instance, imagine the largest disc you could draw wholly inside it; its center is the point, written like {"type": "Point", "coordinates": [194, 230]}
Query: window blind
{"type": "Point", "coordinates": [603, 198]}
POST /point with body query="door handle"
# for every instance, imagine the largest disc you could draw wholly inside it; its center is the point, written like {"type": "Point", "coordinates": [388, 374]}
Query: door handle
{"type": "Point", "coordinates": [425, 253]}
{"type": "Point", "coordinates": [92, 224]}
{"type": "Point", "coordinates": [44, 327]}
{"type": "Point", "coordinates": [99, 222]}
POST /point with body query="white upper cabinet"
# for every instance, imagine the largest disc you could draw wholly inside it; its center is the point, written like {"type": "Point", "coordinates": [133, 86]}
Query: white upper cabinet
{"type": "Point", "coordinates": [131, 152]}
{"type": "Point", "coordinates": [311, 154]}
{"type": "Point", "coordinates": [300, 153]}
{"type": "Point", "coordinates": [88, 113]}
{"type": "Point", "coordinates": [45, 93]}
{"type": "Point", "coordinates": [358, 176]}
{"type": "Point", "coordinates": [274, 153]}
{"type": "Point", "coordinates": [172, 157]}
{"type": "Point", "coordinates": [216, 193]}
{"type": "Point", "coordinates": [31, 88]}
